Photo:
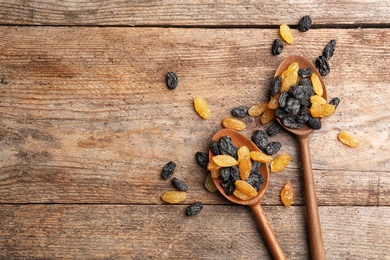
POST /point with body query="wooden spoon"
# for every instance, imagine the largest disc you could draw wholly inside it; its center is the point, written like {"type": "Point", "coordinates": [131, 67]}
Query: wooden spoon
{"type": "Point", "coordinates": [317, 250]}
{"type": "Point", "coordinates": [254, 203]}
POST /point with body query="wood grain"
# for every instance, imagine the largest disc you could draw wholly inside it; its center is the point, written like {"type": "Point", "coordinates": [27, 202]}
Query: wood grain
{"type": "Point", "coordinates": [85, 115]}
{"type": "Point", "coordinates": [196, 13]}
{"type": "Point", "coordinates": [141, 231]}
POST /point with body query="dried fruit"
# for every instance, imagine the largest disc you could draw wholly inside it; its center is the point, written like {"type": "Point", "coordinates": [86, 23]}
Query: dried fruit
{"type": "Point", "coordinates": [202, 159]}
{"type": "Point", "coordinates": [260, 139]}
{"type": "Point", "coordinates": [290, 122]}
{"type": "Point", "coordinates": [327, 109]}
{"type": "Point", "coordinates": [287, 194]}
{"type": "Point", "coordinates": [335, 101]}
{"type": "Point", "coordinates": [329, 49]}
{"type": "Point", "coordinates": [233, 123]}
{"type": "Point", "coordinates": [280, 162]}
{"type": "Point", "coordinates": [291, 78]}
{"type": "Point", "coordinates": [277, 47]}
{"type": "Point", "coordinates": [314, 123]}
{"type": "Point", "coordinates": [322, 65]}
{"type": "Point", "coordinates": [286, 33]}
{"type": "Point", "coordinates": [194, 208]}
{"type": "Point", "coordinates": [179, 184]}
{"type": "Point", "coordinates": [246, 188]}
{"type": "Point", "coordinates": [274, 102]}
{"type": "Point", "coordinates": [305, 72]}
{"type": "Point", "coordinates": [168, 170]}
{"type": "Point", "coordinates": [276, 84]}
{"type": "Point", "coordinates": [292, 106]}
{"type": "Point", "coordinates": [239, 194]}
{"type": "Point", "coordinates": [274, 129]}
{"type": "Point", "coordinates": [272, 148]}
{"type": "Point", "coordinates": [214, 148]}
{"type": "Point", "coordinates": [212, 166]}
{"type": "Point", "coordinates": [294, 66]}
{"type": "Point", "coordinates": [240, 111]}
{"type": "Point", "coordinates": [243, 153]}
{"type": "Point", "coordinates": [317, 99]}
{"type": "Point", "coordinates": [348, 139]}
{"type": "Point", "coordinates": [267, 116]}
{"type": "Point", "coordinates": [316, 110]}
{"type": "Point", "coordinates": [226, 146]}
{"type": "Point", "coordinates": [245, 168]}
{"type": "Point", "coordinates": [305, 23]}
{"type": "Point", "coordinates": [257, 110]}
{"type": "Point", "coordinates": [317, 86]}
{"type": "Point", "coordinates": [209, 184]}
{"type": "Point", "coordinates": [228, 187]}
{"type": "Point", "coordinates": [225, 173]}
{"type": "Point", "coordinates": [260, 157]}
{"type": "Point", "coordinates": [172, 80]}
{"type": "Point", "coordinates": [224, 160]}
{"type": "Point", "coordinates": [174, 196]}
{"type": "Point", "coordinates": [201, 107]}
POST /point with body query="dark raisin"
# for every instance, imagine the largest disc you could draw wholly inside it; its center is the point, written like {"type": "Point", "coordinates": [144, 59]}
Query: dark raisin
{"type": "Point", "coordinates": [314, 123]}
{"type": "Point", "coordinates": [227, 147]}
{"type": "Point", "coordinates": [329, 49]}
{"type": "Point", "coordinates": [225, 173]}
{"type": "Point", "coordinates": [214, 147]}
{"type": "Point", "coordinates": [178, 184]}
{"type": "Point", "coordinates": [305, 23]}
{"type": "Point", "coordinates": [172, 80]}
{"type": "Point", "coordinates": [168, 170]}
{"type": "Point", "coordinates": [202, 159]}
{"type": "Point", "coordinates": [260, 139]}
{"type": "Point", "coordinates": [305, 82]}
{"type": "Point", "coordinates": [305, 72]}
{"type": "Point", "coordinates": [293, 105]}
{"type": "Point", "coordinates": [255, 167]}
{"type": "Point", "coordinates": [283, 99]}
{"type": "Point", "coordinates": [274, 129]}
{"type": "Point", "coordinates": [273, 147]}
{"type": "Point", "coordinates": [234, 173]}
{"type": "Point", "coordinates": [290, 122]}
{"type": "Point", "coordinates": [296, 91]}
{"type": "Point", "coordinates": [322, 65]}
{"type": "Point", "coordinates": [277, 47]}
{"type": "Point", "coordinates": [280, 113]}
{"type": "Point", "coordinates": [302, 93]}
{"type": "Point", "coordinates": [228, 187]}
{"type": "Point", "coordinates": [240, 111]}
{"type": "Point", "coordinates": [194, 208]}
{"type": "Point", "coordinates": [276, 84]}
{"type": "Point", "coordinates": [303, 115]}
{"type": "Point", "coordinates": [335, 101]}
{"type": "Point", "coordinates": [255, 180]}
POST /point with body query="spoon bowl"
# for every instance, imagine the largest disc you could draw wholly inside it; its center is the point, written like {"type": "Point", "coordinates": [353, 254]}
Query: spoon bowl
{"type": "Point", "coordinates": [316, 244]}
{"type": "Point", "coordinates": [254, 203]}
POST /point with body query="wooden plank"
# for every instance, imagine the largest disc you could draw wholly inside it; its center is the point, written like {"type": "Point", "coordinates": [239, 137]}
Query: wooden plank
{"type": "Point", "coordinates": [85, 115]}
{"type": "Point", "coordinates": [217, 232]}
{"type": "Point", "coordinates": [196, 13]}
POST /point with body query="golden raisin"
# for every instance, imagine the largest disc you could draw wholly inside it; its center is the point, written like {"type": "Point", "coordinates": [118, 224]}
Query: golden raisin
{"type": "Point", "coordinates": [233, 123]}
{"type": "Point", "coordinates": [316, 110]}
{"type": "Point", "coordinates": [201, 107]}
{"type": "Point", "coordinates": [209, 184]}
{"type": "Point", "coordinates": [243, 153]}
{"type": "Point", "coordinates": [291, 78]}
{"type": "Point", "coordinates": [215, 174]}
{"type": "Point", "coordinates": [257, 110]}
{"type": "Point", "coordinates": [286, 33]}
{"type": "Point", "coordinates": [260, 157]}
{"type": "Point", "coordinates": [267, 116]}
{"type": "Point", "coordinates": [246, 188]}
{"type": "Point", "coordinates": [280, 162]}
{"type": "Point", "coordinates": [174, 196]}
{"type": "Point", "coordinates": [274, 102]}
{"type": "Point", "coordinates": [294, 66]}
{"type": "Point", "coordinates": [327, 109]}
{"type": "Point", "coordinates": [224, 160]}
{"type": "Point", "coordinates": [245, 168]}
{"type": "Point", "coordinates": [287, 194]}
{"type": "Point", "coordinates": [317, 99]}
{"type": "Point", "coordinates": [317, 86]}
{"type": "Point", "coordinates": [239, 194]}
{"type": "Point", "coordinates": [348, 139]}
{"type": "Point", "coordinates": [212, 166]}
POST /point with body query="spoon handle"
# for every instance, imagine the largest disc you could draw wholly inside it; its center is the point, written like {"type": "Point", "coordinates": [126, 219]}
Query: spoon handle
{"type": "Point", "coordinates": [317, 250]}
{"type": "Point", "coordinates": [268, 233]}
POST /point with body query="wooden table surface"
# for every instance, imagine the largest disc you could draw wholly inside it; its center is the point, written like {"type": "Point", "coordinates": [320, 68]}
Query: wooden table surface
{"type": "Point", "coordinates": [87, 123]}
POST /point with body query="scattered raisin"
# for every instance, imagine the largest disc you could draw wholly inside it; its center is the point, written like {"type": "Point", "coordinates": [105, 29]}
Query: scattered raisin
{"type": "Point", "coordinates": [194, 208]}
{"type": "Point", "coordinates": [305, 23]}
{"type": "Point", "coordinates": [172, 80]}
{"type": "Point", "coordinates": [260, 139]}
{"type": "Point", "coordinates": [277, 47]}
{"type": "Point", "coordinates": [274, 129]}
{"type": "Point", "coordinates": [287, 194]}
{"type": "Point", "coordinates": [174, 196]}
{"type": "Point", "coordinates": [348, 139]}
{"type": "Point", "coordinates": [202, 158]}
{"type": "Point", "coordinates": [233, 123]}
{"type": "Point", "coordinates": [201, 107]}
{"type": "Point", "coordinates": [240, 111]}
{"type": "Point", "coordinates": [168, 170]}
{"type": "Point", "coordinates": [276, 84]}
{"type": "Point", "coordinates": [286, 33]}
{"type": "Point", "coordinates": [335, 101]}
{"type": "Point", "coordinates": [329, 49]}
{"type": "Point", "coordinates": [322, 65]}
{"type": "Point", "coordinates": [280, 162]}
{"type": "Point", "coordinates": [273, 147]}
